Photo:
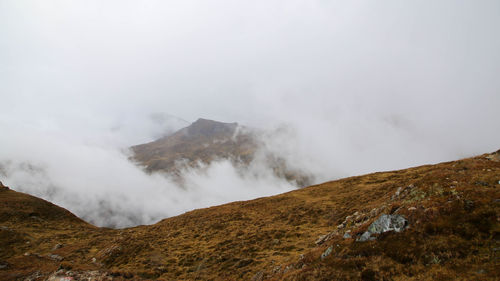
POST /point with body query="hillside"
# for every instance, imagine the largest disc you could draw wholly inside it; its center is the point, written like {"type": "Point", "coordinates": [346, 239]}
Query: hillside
{"type": "Point", "coordinates": [445, 220]}
{"type": "Point", "coordinates": [205, 141]}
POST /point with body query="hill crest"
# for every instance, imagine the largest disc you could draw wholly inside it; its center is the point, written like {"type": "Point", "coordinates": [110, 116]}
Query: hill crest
{"type": "Point", "coordinates": [452, 211]}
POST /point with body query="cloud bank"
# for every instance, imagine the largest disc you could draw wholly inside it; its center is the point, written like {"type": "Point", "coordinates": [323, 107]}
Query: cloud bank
{"type": "Point", "coordinates": [346, 87]}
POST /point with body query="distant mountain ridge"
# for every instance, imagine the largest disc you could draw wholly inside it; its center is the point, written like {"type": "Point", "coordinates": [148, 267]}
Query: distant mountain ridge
{"type": "Point", "coordinates": [205, 141]}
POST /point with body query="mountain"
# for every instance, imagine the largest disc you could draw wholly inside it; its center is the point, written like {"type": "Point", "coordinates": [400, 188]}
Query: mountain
{"type": "Point", "coordinates": [205, 141]}
{"type": "Point", "coordinates": [434, 222]}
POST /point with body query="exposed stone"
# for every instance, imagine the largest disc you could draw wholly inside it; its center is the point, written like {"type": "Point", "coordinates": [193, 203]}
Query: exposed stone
{"type": "Point", "coordinates": [56, 257]}
{"type": "Point", "coordinates": [396, 194]}
{"type": "Point", "coordinates": [57, 246]}
{"type": "Point", "coordinates": [383, 224]}
{"type": "Point", "coordinates": [495, 156]}
{"type": "Point", "coordinates": [388, 223]}
{"type": "Point", "coordinates": [323, 238]}
{"type": "Point", "coordinates": [327, 252]}
{"type": "Point", "coordinates": [401, 193]}
{"type": "Point", "coordinates": [347, 235]}
{"type": "Point", "coordinates": [367, 236]}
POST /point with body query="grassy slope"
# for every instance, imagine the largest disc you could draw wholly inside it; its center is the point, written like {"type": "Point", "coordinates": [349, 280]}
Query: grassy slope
{"type": "Point", "coordinates": [452, 208]}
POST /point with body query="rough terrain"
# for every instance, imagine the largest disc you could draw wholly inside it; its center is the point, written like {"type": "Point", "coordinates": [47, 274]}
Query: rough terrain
{"type": "Point", "coordinates": [434, 222]}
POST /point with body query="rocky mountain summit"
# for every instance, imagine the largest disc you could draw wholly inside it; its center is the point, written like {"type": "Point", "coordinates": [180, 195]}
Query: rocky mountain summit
{"type": "Point", "coordinates": [434, 222]}
{"type": "Point", "coordinates": [205, 141]}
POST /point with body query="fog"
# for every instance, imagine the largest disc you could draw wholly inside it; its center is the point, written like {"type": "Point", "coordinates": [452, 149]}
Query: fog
{"type": "Point", "coordinates": [342, 87]}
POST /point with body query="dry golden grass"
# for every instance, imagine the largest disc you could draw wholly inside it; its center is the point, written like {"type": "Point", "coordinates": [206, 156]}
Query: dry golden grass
{"type": "Point", "coordinates": [453, 211]}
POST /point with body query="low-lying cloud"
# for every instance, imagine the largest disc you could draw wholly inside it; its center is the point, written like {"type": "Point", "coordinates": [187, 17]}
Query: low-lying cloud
{"type": "Point", "coordinates": [102, 186]}
{"type": "Point", "coordinates": [340, 88]}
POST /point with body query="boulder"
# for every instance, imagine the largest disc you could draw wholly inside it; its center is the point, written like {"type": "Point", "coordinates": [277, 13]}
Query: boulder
{"type": "Point", "coordinates": [383, 224]}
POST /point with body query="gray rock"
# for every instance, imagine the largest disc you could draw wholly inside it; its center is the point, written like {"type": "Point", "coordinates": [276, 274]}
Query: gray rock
{"type": "Point", "coordinates": [367, 236]}
{"type": "Point", "coordinates": [56, 257]}
{"type": "Point", "coordinates": [327, 252]}
{"type": "Point", "coordinates": [383, 224]}
{"type": "Point", "coordinates": [388, 223]}
{"type": "Point", "coordinates": [347, 235]}
{"type": "Point", "coordinates": [323, 238]}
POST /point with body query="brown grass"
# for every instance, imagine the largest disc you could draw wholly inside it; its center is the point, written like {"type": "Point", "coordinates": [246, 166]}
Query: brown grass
{"type": "Point", "coordinates": [452, 209]}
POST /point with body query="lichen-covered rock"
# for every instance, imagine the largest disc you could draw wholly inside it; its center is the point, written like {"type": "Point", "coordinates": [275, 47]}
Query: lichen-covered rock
{"type": "Point", "coordinates": [388, 223]}
{"type": "Point", "coordinates": [383, 224]}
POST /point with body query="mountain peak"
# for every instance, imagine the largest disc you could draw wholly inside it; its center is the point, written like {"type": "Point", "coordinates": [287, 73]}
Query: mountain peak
{"type": "Point", "coordinates": [210, 127]}
{"type": "Point", "coordinates": [211, 122]}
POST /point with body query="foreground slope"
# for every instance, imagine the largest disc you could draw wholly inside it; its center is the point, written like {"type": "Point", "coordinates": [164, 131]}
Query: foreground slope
{"type": "Point", "coordinates": [452, 213]}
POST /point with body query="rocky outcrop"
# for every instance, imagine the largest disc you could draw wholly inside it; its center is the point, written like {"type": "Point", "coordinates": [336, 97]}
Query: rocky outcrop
{"type": "Point", "coordinates": [383, 224]}
{"type": "Point", "coordinates": [350, 222]}
{"type": "Point", "coordinates": [495, 156]}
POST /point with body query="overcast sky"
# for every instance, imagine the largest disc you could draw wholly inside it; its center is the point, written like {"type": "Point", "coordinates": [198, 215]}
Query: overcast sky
{"type": "Point", "coordinates": [361, 85]}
